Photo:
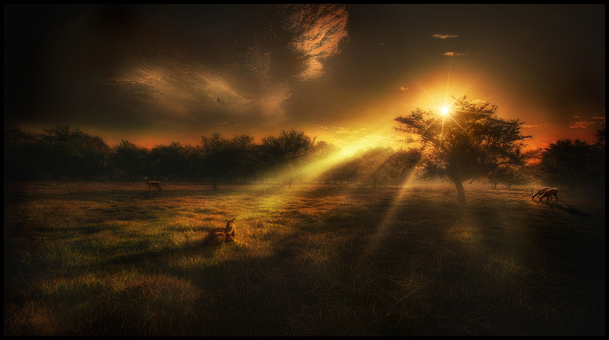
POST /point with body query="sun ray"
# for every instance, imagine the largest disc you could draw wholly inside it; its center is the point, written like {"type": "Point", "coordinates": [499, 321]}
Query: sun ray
{"type": "Point", "coordinates": [383, 228]}
{"type": "Point", "coordinates": [450, 65]}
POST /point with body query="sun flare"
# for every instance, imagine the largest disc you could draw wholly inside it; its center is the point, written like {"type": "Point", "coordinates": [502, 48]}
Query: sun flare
{"type": "Point", "coordinates": [444, 110]}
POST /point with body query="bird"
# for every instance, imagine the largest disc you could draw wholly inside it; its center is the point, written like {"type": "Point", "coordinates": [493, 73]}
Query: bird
{"type": "Point", "coordinates": [218, 99]}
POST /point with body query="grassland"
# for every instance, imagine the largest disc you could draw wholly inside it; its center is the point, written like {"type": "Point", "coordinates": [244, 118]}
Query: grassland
{"type": "Point", "coordinates": [85, 258]}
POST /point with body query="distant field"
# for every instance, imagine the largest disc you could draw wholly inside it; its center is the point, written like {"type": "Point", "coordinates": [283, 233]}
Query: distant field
{"type": "Point", "coordinates": [110, 258]}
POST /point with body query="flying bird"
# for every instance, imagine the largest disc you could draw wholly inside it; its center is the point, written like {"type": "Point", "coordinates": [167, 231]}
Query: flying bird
{"type": "Point", "coordinates": [218, 99]}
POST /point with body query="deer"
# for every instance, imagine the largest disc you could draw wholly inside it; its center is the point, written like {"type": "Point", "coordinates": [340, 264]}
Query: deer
{"type": "Point", "coordinates": [152, 184]}
{"type": "Point", "coordinates": [217, 236]}
{"type": "Point", "coordinates": [548, 193]}
{"type": "Point", "coordinates": [538, 193]}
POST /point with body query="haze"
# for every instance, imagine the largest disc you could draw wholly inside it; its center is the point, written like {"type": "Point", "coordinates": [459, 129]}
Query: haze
{"type": "Point", "coordinates": [153, 74]}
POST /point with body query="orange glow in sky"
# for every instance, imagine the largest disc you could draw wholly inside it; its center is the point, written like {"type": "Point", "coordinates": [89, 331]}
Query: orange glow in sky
{"type": "Point", "coordinates": [159, 74]}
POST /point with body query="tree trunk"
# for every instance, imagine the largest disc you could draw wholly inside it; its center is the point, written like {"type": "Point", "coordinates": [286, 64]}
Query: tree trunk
{"type": "Point", "coordinates": [460, 191]}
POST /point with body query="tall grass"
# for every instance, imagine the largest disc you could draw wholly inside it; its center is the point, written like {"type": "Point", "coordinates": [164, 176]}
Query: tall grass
{"type": "Point", "coordinates": [85, 258]}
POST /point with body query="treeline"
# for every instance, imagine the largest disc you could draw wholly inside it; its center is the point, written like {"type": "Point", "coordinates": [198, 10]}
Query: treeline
{"type": "Point", "coordinates": [65, 153]}
{"type": "Point", "coordinates": [571, 164]}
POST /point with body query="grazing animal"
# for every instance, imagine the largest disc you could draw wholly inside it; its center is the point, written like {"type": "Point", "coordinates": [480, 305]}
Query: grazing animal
{"type": "Point", "coordinates": [217, 236]}
{"type": "Point", "coordinates": [152, 184]}
{"type": "Point", "coordinates": [548, 193]}
{"type": "Point", "coordinates": [538, 193]}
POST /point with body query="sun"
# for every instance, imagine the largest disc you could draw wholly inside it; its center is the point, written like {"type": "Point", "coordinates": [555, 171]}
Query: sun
{"type": "Point", "coordinates": [445, 110]}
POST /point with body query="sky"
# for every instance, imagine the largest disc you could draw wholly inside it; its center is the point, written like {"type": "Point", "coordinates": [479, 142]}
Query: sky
{"type": "Point", "coordinates": [156, 74]}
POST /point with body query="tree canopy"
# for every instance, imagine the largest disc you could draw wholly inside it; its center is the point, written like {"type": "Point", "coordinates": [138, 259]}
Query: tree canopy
{"type": "Point", "coordinates": [468, 142]}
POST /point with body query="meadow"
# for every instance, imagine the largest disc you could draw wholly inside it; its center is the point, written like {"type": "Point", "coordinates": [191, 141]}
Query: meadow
{"type": "Point", "coordinates": [113, 258]}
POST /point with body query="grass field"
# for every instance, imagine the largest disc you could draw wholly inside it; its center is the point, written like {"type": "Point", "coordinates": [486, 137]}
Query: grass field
{"type": "Point", "coordinates": [110, 258]}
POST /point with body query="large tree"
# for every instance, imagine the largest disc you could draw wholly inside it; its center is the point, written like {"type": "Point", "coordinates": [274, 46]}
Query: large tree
{"type": "Point", "coordinates": [465, 141]}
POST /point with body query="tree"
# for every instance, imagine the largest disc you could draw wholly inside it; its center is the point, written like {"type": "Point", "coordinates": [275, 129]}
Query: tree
{"type": "Point", "coordinates": [468, 143]}
{"type": "Point", "coordinates": [74, 153]}
{"type": "Point", "coordinates": [508, 175]}
{"type": "Point", "coordinates": [286, 153]}
{"type": "Point", "coordinates": [129, 161]}
{"type": "Point", "coordinates": [23, 154]}
{"type": "Point", "coordinates": [572, 163]}
{"type": "Point", "coordinates": [373, 165]}
{"type": "Point", "coordinates": [228, 159]}
{"type": "Point", "coordinates": [169, 161]}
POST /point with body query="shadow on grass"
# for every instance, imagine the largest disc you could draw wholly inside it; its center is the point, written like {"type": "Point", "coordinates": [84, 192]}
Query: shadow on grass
{"type": "Point", "coordinates": [320, 279]}
{"type": "Point", "coordinates": [569, 209]}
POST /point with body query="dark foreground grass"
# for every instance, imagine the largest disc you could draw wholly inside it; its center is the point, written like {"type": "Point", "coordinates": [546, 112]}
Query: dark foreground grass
{"type": "Point", "coordinates": [86, 258]}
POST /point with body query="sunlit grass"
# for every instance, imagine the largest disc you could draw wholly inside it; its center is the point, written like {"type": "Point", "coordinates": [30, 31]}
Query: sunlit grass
{"type": "Point", "coordinates": [85, 258]}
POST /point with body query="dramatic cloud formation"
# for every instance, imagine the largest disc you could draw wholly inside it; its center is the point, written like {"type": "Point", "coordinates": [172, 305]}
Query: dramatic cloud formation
{"type": "Point", "coordinates": [317, 31]}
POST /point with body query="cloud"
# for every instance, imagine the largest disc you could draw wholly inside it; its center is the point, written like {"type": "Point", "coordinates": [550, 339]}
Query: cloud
{"type": "Point", "coordinates": [455, 54]}
{"type": "Point", "coordinates": [321, 127]}
{"type": "Point", "coordinates": [580, 125]}
{"type": "Point", "coordinates": [529, 126]}
{"type": "Point", "coordinates": [404, 88]}
{"type": "Point", "coordinates": [585, 124]}
{"type": "Point", "coordinates": [317, 31]}
{"type": "Point", "coordinates": [444, 36]}
{"type": "Point", "coordinates": [342, 130]}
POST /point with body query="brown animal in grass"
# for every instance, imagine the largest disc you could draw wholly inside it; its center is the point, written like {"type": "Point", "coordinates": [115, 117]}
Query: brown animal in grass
{"type": "Point", "coordinates": [539, 193]}
{"type": "Point", "coordinates": [548, 193]}
{"type": "Point", "coordinates": [156, 184]}
{"type": "Point", "coordinates": [217, 236]}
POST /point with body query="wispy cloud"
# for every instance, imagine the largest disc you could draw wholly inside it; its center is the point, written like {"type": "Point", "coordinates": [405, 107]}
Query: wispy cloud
{"type": "Point", "coordinates": [444, 36]}
{"type": "Point", "coordinates": [585, 124]}
{"type": "Point", "coordinates": [317, 31]}
{"type": "Point", "coordinates": [529, 126]}
{"type": "Point", "coordinates": [342, 130]}
{"type": "Point", "coordinates": [580, 125]}
{"type": "Point", "coordinates": [404, 88]}
{"type": "Point", "coordinates": [456, 54]}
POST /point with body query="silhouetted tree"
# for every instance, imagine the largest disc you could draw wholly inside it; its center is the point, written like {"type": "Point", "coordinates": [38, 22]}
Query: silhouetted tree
{"type": "Point", "coordinates": [469, 143]}
{"type": "Point", "coordinates": [23, 154]}
{"type": "Point", "coordinates": [347, 171]}
{"type": "Point", "coordinates": [228, 160]}
{"type": "Point", "coordinates": [129, 161]}
{"type": "Point", "coordinates": [508, 175]}
{"type": "Point", "coordinates": [373, 164]}
{"type": "Point", "coordinates": [168, 161]}
{"type": "Point", "coordinates": [572, 163]}
{"type": "Point", "coordinates": [74, 153]}
{"type": "Point", "coordinates": [286, 153]}
{"type": "Point", "coordinates": [402, 163]}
